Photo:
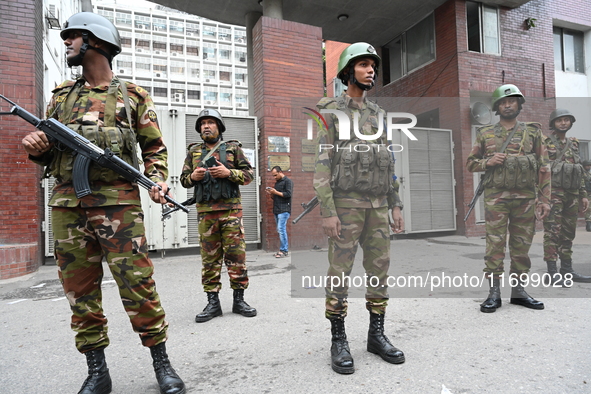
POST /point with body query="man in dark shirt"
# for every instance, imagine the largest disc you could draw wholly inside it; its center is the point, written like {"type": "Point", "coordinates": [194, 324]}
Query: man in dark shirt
{"type": "Point", "coordinates": [281, 206]}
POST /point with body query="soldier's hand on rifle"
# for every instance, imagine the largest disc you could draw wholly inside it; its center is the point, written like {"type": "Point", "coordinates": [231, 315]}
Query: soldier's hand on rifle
{"type": "Point", "coordinates": [332, 227]}
{"type": "Point", "coordinates": [198, 174]}
{"type": "Point", "coordinates": [220, 171]}
{"type": "Point", "coordinates": [36, 143]}
{"type": "Point", "coordinates": [397, 223]}
{"type": "Point", "coordinates": [496, 159]}
{"type": "Point", "coordinates": [157, 195]}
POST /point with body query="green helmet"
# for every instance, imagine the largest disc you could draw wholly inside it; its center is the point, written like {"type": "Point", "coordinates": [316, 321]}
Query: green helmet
{"type": "Point", "coordinates": [586, 163]}
{"type": "Point", "coordinates": [352, 52]}
{"type": "Point", "coordinates": [559, 113]}
{"type": "Point", "coordinates": [98, 25]}
{"type": "Point", "coordinates": [508, 90]}
{"type": "Point", "coordinates": [210, 113]}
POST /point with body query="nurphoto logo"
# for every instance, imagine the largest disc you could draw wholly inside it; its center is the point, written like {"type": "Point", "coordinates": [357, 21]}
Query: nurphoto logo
{"type": "Point", "coordinates": [345, 124]}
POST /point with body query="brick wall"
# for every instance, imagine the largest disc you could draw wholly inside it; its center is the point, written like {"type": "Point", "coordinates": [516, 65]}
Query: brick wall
{"type": "Point", "coordinates": [288, 74]}
{"type": "Point", "coordinates": [21, 80]}
{"type": "Point", "coordinates": [526, 59]}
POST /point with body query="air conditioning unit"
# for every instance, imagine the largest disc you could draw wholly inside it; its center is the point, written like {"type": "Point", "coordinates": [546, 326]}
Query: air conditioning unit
{"type": "Point", "coordinates": [242, 59]}
{"type": "Point", "coordinates": [240, 105]}
{"type": "Point", "coordinates": [208, 102]}
{"type": "Point", "coordinates": [157, 52]}
{"type": "Point", "coordinates": [190, 34]}
{"type": "Point", "coordinates": [158, 75]}
{"type": "Point", "coordinates": [139, 50]}
{"type": "Point", "coordinates": [238, 83]}
{"type": "Point", "coordinates": [121, 71]}
{"type": "Point", "coordinates": [141, 27]}
{"type": "Point", "coordinates": [207, 80]}
{"type": "Point", "coordinates": [174, 54]}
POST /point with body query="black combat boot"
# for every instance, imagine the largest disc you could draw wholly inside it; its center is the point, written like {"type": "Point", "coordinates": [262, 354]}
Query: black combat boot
{"type": "Point", "coordinates": [494, 297]}
{"type": "Point", "coordinates": [168, 380]}
{"type": "Point", "coordinates": [520, 297]}
{"type": "Point", "coordinates": [212, 309]}
{"type": "Point", "coordinates": [240, 306]}
{"type": "Point", "coordinates": [98, 380]}
{"type": "Point", "coordinates": [588, 226]}
{"type": "Point", "coordinates": [378, 343]}
{"type": "Point", "coordinates": [555, 278]}
{"type": "Point", "coordinates": [566, 267]}
{"type": "Point", "coordinates": [341, 360]}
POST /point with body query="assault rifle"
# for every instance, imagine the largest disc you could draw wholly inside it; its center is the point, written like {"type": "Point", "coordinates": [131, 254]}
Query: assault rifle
{"type": "Point", "coordinates": [479, 191]}
{"type": "Point", "coordinates": [308, 207]}
{"type": "Point", "coordinates": [85, 152]}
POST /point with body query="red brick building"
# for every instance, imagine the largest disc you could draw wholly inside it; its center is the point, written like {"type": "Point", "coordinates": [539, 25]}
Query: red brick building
{"type": "Point", "coordinates": [21, 80]}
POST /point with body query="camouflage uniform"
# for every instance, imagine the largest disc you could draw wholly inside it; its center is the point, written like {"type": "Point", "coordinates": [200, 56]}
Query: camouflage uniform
{"type": "Point", "coordinates": [560, 225]}
{"type": "Point", "coordinates": [109, 222]}
{"type": "Point", "coordinates": [512, 209]}
{"type": "Point", "coordinates": [220, 221]}
{"type": "Point", "coordinates": [364, 217]}
{"type": "Point", "coordinates": [587, 175]}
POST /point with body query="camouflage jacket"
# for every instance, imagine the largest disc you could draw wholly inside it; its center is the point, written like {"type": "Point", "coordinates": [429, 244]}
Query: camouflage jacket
{"type": "Point", "coordinates": [240, 169]}
{"type": "Point", "coordinates": [330, 199]}
{"type": "Point", "coordinates": [89, 109]}
{"type": "Point", "coordinates": [528, 139]}
{"type": "Point", "coordinates": [570, 156]}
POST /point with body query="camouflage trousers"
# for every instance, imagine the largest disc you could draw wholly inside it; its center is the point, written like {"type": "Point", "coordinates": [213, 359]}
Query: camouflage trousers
{"type": "Point", "coordinates": [370, 228]}
{"type": "Point", "coordinates": [560, 227]}
{"type": "Point", "coordinates": [222, 239]}
{"type": "Point", "coordinates": [588, 213]}
{"type": "Point", "coordinates": [516, 216]}
{"type": "Point", "coordinates": [83, 236]}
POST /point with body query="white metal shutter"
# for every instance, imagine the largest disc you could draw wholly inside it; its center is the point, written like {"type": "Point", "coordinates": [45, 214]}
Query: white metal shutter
{"type": "Point", "coordinates": [426, 168]}
{"type": "Point", "coordinates": [243, 129]}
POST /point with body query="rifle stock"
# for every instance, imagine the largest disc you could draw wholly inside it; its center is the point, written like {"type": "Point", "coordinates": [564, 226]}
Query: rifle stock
{"type": "Point", "coordinates": [86, 152]}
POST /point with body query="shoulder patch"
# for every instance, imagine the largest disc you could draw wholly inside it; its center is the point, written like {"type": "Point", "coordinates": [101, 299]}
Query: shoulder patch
{"type": "Point", "coordinates": [152, 115]}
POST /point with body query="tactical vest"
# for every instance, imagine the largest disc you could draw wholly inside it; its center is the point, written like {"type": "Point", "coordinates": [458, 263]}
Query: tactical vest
{"type": "Point", "coordinates": [566, 175]}
{"type": "Point", "coordinates": [361, 166]}
{"type": "Point", "coordinates": [516, 172]}
{"type": "Point", "coordinates": [212, 189]}
{"type": "Point", "coordinates": [121, 141]}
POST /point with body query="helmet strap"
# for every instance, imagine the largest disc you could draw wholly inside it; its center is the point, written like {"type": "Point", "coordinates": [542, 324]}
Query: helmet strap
{"type": "Point", "coordinates": [354, 80]}
{"type": "Point", "coordinates": [77, 60]}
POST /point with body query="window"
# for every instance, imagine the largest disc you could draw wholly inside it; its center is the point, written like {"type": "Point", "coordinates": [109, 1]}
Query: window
{"type": "Point", "coordinates": [412, 49]}
{"type": "Point", "coordinates": [569, 54]}
{"type": "Point", "coordinates": [483, 28]}
{"type": "Point", "coordinates": [160, 92]}
{"type": "Point", "coordinates": [193, 94]}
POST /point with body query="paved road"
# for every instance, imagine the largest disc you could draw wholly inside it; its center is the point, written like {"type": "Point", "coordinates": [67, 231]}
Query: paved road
{"type": "Point", "coordinates": [285, 349]}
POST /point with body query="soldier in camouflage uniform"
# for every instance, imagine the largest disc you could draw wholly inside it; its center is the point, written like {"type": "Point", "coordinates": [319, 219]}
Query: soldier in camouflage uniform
{"type": "Point", "coordinates": [568, 187]}
{"type": "Point", "coordinates": [357, 214]}
{"type": "Point", "coordinates": [587, 174]}
{"type": "Point", "coordinates": [109, 221]}
{"type": "Point", "coordinates": [517, 184]}
{"type": "Point", "coordinates": [215, 168]}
